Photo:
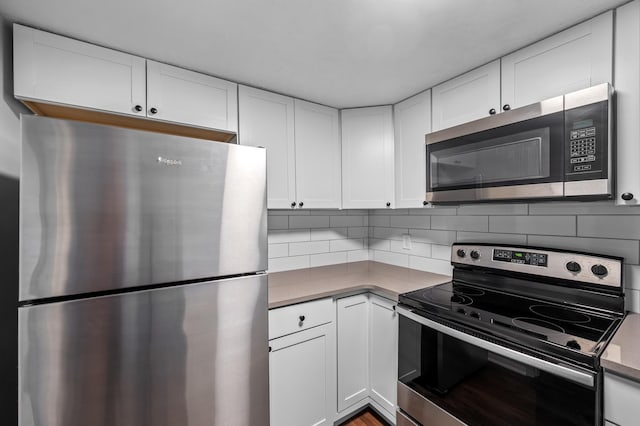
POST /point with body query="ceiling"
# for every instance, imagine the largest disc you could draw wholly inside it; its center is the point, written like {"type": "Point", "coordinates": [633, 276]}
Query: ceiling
{"type": "Point", "coordinates": [342, 53]}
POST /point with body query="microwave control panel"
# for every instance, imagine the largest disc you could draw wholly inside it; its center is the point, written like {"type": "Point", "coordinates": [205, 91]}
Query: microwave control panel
{"type": "Point", "coordinates": [586, 142]}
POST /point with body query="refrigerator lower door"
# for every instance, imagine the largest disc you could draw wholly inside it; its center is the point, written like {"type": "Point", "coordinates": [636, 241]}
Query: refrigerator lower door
{"type": "Point", "coordinates": [191, 355]}
{"type": "Point", "coordinates": [103, 208]}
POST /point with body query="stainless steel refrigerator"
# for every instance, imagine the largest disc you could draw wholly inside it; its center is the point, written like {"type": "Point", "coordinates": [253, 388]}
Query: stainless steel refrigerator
{"type": "Point", "coordinates": [142, 291]}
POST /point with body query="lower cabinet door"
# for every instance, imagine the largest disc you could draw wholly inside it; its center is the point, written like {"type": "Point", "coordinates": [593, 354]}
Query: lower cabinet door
{"type": "Point", "coordinates": [353, 350]}
{"type": "Point", "coordinates": [383, 352]}
{"type": "Point", "coordinates": [302, 378]}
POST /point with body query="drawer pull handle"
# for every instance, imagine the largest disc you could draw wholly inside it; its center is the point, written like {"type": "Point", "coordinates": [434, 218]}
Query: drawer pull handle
{"type": "Point", "coordinates": [301, 317]}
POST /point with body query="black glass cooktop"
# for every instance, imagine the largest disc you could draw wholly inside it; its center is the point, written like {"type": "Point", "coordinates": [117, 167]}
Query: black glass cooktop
{"type": "Point", "coordinates": [573, 332]}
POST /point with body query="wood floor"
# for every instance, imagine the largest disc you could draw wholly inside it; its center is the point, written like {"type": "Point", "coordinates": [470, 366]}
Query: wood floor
{"type": "Point", "coordinates": [366, 418]}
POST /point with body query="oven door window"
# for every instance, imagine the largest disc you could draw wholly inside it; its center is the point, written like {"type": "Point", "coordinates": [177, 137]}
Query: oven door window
{"type": "Point", "coordinates": [479, 387]}
{"type": "Point", "coordinates": [526, 152]}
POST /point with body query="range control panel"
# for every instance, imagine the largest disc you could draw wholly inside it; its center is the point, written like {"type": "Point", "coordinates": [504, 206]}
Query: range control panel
{"type": "Point", "coordinates": [556, 263]}
{"type": "Point", "coordinates": [517, 256]}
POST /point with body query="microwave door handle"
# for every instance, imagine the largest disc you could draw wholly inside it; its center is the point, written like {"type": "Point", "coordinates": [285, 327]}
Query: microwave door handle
{"type": "Point", "coordinates": [571, 374]}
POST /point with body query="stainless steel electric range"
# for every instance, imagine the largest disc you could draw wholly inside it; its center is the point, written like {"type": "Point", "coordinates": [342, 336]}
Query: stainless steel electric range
{"type": "Point", "coordinates": [514, 339]}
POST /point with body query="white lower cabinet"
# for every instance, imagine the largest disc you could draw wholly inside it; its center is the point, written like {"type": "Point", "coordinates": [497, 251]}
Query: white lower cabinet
{"type": "Point", "coordinates": [302, 365]}
{"type": "Point", "coordinates": [367, 334]}
{"type": "Point", "coordinates": [383, 352]}
{"type": "Point", "coordinates": [621, 400]}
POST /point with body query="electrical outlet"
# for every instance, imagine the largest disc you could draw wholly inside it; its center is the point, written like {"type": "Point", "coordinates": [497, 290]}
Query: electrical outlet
{"type": "Point", "coordinates": [406, 241]}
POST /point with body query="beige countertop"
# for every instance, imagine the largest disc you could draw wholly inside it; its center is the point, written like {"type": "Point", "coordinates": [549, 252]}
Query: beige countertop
{"type": "Point", "coordinates": [622, 355]}
{"type": "Point", "coordinates": [302, 285]}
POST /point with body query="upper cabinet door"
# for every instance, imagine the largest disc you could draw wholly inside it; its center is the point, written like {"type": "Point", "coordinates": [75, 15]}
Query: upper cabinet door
{"type": "Point", "coordinates": [318, 156]}
{"type": "Point", "coordinates": [266, 119]}
{"type": "Point", "coordinates": [367, 158]}
{"type": "Point", "coordinates": [574, 59]}
{"type": "Point", "coordinates": [412, 121]}
{"type": "Point", "coordinates": [472, 95]}
{"type": "Point", "coordinates": [56, 69]}
{"type": "Point", "coordinates": [627, 86]}
{"type": "Point", "coordinates": [183, 96]}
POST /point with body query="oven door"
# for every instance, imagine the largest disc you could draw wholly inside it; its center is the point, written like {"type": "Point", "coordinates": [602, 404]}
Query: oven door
{"type": "Point", "coordinates": [448, 377]}
{"type": "Point", "coordinates": [514, 155]}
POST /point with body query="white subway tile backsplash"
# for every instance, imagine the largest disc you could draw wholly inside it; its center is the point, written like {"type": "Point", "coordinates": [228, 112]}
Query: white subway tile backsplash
{"type": "Point", "coordinates": [631, 277]}
{"type": "Point", "coordinates": [278, 250]}
{"type": "Point", "coordinates": [628, 249]}
{"type": "Point", "coordinates": [434, 211]}
{"type": "Point", "coordinates": [289, 212]}
{"type": "Point", "coordinates": [594, 208]}
{"type": "Point", "coordinates": [389, 212]}
{"type": "Point", "coordinates": [288, 236]}
{"type": "Point", "coordinates": [441, 252]}
{"type": "Point", "coordinates": [328, 234]}
{"type": "Point", "coordinates": [357, 255]}
{"type": "Point", "coordinates": [389, 233]}
{"type": "Point", "coordinates": [430, 265]}
{"type": "Point", "coordinates": [432, 236]}
{"type": "Point", "coordinates": [322, 259]}
{"type": "Point", "coordinates": [460, 223]}
{"type": "Point", "coordinates": [493, 209]}
{"type": "Point", "coordinates": [288, 263]}
{"type": "Point", "coordinates": [344, 245]}
{"type": "Point", "coordinates": [278, 222]}
{"type": "Point", "coordinates": [358, 232]}
{"type": "Point", "coordinates": [487, 237]}
{"type": "Point", "coordinates": [418, 222]}
{"type": "Point", "coordinates": [337, 221]}
{"type": "Point", "coordinates": [632, 300]}
{"type": "Point", "coordinates": [379, 244]}
{"type": "Point", "coordinates": [391, 258]}
{"type": "Point", "coordinates": [542, 225]}
{"type": "Point", "coordinates": [623, 227]}
{"type": "Point", "coordinates": [417, 249]}
{"type": "Point", "coordinates": [330, 212]}
{"type": "Point", "coordinates": [380, 221]}
{"type": "Point", "coordinates": [308, 221]}
{"type": "Point", "coordinates": [310, 247]}
{"type": "Point", "coordinates": [356, 212]}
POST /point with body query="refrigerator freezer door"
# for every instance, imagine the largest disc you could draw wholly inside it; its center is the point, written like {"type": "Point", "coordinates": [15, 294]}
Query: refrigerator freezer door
{"type": "Point", "coordinates": [104, 208]}
{"type": "Point", "coordinates": [193, 355]}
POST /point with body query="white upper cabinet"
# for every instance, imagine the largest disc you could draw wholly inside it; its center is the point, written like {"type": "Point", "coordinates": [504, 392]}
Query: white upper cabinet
{"type": "Point", "coordinates": [468, 97]}
{"type": "Point", "coordinates": [574, 59]}
{"type": "Point", "coordinates": [412, 121]}
{"type": "Point", "coordinates": [266, 120]}
{"type": "Point", "coordinates": [56, 69]}
{"type": "Point", "coordinates": [183, 96]}
{"type": "Point", "coordinates": [627, 87]}
{"type": "Point", "coordinates": [317, 156]}
{"type": "Point", "coordinates": [367, 158]}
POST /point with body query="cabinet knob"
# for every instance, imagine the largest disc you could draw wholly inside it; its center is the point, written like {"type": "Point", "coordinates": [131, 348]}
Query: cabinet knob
{"type": "Point", "coordinates": [269, 348]}
{"type": "Point", "coordinates": [138, 108]}
{"type": "Point", "coordinates": [388, 204]}
{"type": "Point", "coordinates": [425, 203]}
{"type": "Point", "coordinates": [301, 318]}
{"type": "Point", "coordinates": [627, 196]}
{"type": "Point", "coordinates": [153, 111]}
{"type": "Point", "coordinates": [506, 107]}
{"type": "Point", "coordinates": [492, 111]}
{"type": "Point", "coordinates": [293, 204]}
{"type": "Point", "coordinates": [300, 204]}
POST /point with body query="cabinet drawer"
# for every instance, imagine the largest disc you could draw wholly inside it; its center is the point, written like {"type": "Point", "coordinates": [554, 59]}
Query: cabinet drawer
{"type": "Point", "coordinates": [621, 400]}
{"type": "Point", "coordinates": [287, 320]}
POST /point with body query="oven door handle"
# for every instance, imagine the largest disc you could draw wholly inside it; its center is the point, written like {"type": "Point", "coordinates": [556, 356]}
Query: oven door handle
{"type": "Point", "coordinates": [568, 373]}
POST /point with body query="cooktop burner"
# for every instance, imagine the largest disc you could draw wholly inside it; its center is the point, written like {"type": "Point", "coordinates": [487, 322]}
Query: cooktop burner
{"type": "Point", "coordinates": [559, 314]}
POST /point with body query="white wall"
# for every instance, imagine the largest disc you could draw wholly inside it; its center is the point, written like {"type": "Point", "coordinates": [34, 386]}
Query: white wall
{"type": "Point", "coordinates": [9, 107]}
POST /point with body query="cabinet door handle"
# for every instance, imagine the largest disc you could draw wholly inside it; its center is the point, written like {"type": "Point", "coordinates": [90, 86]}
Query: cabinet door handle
{"type": "Point", "coordinates": [153, 111]}
{"type": "Point", "coordinates": [506, 107]}
{"type": "Point", "coordinates": [492, 111]}
{"type": "Point", "coordinates": [627, 196]}
{"type": "Point", "coordinates": [293, 204]}
{"type": "Point", "coordinates": [300, 204]}
{"type": "Point", "coordinates": [388, 204]}
{"type": "Point", "coordinates": [425, 203]}
{"type": "Point", "coordinates": [301, 318]}
{"type": "Point", "coordinates": [138, 108]}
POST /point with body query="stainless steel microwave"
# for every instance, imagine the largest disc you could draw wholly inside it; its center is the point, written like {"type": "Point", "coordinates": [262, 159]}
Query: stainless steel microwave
{"type": "Point", "coordinates": [560, 147]}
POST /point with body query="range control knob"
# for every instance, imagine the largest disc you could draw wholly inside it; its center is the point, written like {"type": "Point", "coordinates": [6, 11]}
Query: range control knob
{"type": "Point", "coordinates": [573, 266]}
{"type": "Point", "coordinates": [573, 344]}
{"type": "Point", "coordinates": [475, 254]}
{"type": "Point", "coordinates": [599, 270]}
{"type": "Point", "coordinates": [461, 253]}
